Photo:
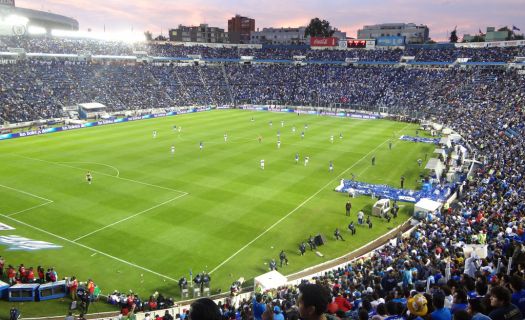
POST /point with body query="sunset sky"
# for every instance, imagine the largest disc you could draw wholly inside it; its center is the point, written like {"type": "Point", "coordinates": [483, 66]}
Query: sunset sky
{"type": "Point", "coordinates": [441, 16]}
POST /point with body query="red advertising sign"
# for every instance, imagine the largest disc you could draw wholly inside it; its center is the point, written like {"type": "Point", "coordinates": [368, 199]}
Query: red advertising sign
{"type": "Point", "coordinates": [323, 42]}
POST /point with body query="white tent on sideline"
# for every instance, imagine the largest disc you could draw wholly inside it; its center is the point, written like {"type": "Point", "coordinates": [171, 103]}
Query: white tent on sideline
{"type": "Point", "coordinates": [270, 280]}
{"type": "Point", "coordinates": [436, 166]}
{"type": "Point", "coordinates": [425, 206]}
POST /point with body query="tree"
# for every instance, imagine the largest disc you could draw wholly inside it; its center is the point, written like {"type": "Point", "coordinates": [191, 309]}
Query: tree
{"type": "Point", "coordinates": [318, 28]}
{"type": "Point", "coordinates": [161, 38]}
{"type": "Point", "coordinates": [148, 35]}
{"type": "Point", "coordinates": [454, 36]}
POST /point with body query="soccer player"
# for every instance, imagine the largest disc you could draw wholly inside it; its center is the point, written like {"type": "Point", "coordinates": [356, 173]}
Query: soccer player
{"type": "Point", "coordinates": [296, 158]}
{"type": "Point", "coordinates": [374, 160]}
{"type": "Point", "coordinates": [331, 166]}
{"type": "Point", "coordinates": [340, 135]}
{"type": "Point", "coordinates": [278, 144]}
{"type": "Point", "coordinates": [262, 164]}
{"type": "Point", "coordinates": [270, 123]}
{"type": "Point", "coordinates": [278, 134]}
{"type": "Point", "coordinates": [89, 177]}
{"type": "Point", "coordinates": [306, 159]}
{"type": "Point", "coordinates": [302, 134]}
{"type": "Point", "coordinates": [259, 138]}
{"type": "Point", "coordinates": [389, 145]}
{"type": "Point", "coordinates": [180, 129]}
{"type": "Point", "coordinates": [348, 207]}
{"type": "Point", "coordinates": [201, 145]}
{"type": "Point", "coordinates": [419, 162]}
{"type": "Point", "coordinates": [306, 126]}
{"type": "Point", "coordinates": [174, 128]}
{"type": "Point", "coordinates": [172, 149]}
{"type": "Point", "coordinates": [332, 139]}
{"type": "Point", "coordinates": [154, 134]}
{"type": "Point", "coordinates": [282, 123]}
{"type": "Point", "coordinates": [293, 129]}
{"type": "Point", "coordinates": [225, 137]}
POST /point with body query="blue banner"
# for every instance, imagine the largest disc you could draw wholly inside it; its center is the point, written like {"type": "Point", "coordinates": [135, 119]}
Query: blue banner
{"type": "Point", "coordinates": [420, 139]}
{"type": "Point", "coordinates": [437, 193]}
{"type": "Point", "coordinates": [97, 123]}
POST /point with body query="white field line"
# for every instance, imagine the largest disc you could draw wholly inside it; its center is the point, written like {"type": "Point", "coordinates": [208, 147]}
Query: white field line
{"type": "Point", "coordinates": [300, 205]}
{"type": "Point", "coordinates": [33, 207]}
{"type": "Point", "coordinates": [100, 173]}
{"type": "Point", "coordinates": [130, 217]}
{"type": "Point", "coordinates": [91, 249]}
{"type": "Point", "coordinates": [27, 193]}
{"type": "Point", "coordinates": [100, 164]}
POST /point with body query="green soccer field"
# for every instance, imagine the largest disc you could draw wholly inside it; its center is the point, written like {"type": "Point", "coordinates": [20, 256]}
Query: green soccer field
{"type": "Point", "coordinates": [151, 216]}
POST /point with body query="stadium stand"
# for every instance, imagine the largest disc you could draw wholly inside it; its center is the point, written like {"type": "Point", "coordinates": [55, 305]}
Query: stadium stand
{"type": "Point", "coordinates": [425, 272]}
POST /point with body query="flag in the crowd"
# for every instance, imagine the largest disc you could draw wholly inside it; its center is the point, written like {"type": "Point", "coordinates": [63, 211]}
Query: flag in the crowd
{"type": "Point", "coordinates": [515, 28]}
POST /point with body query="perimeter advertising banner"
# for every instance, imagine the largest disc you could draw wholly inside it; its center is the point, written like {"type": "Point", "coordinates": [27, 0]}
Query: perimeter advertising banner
{"type": "Point", "coordinates": [99, 123]}
{"type": "Point", "coordinates": [323, 42]}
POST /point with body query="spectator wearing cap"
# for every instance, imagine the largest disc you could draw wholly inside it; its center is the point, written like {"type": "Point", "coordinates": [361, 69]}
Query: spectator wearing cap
{"type": "Point", "coordinates": [500, 300]}
{"type": "Point", "coordinates": [417, 306]}
{"type": "Point", "coordinates": [277, 313]}
{"type": "Point", "coordinates": [440, 312]}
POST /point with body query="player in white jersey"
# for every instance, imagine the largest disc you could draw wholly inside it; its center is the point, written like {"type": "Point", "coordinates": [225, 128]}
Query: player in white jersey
{"type": "Point", "coordinates": [282, 123]}
{"type": "Point", "coordinates": [306, 159]}
{"type": "Point", "coordinates": [225, 137]}
{"type": "Point", "coordinates": [179, 128]}
{"type": "Point", "coordinates": [296, 158]}
{"type": "Point", "coordinates": [154, 134]}
{"type": "Point", "coordinates": [262, 164]}
{"type": "Point", "coordinates": [331, 166]}
{"type": "Point", "coordinates": [201, 145]}
{"type": "Point", "coordinates": [172, 149]}
{"type": "Point", "coordinates": [278, 144]}
{"type": "Point", "coordinates": [340, 135]}
{"type": "Point", "coordinates": [293, 129]}
{"type": "Point", "coordinates": [89, 177]}
{"type": "Point", "coordinates": [332, 139]}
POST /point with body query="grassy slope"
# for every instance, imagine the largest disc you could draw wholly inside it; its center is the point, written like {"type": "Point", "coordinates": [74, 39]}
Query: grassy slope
{"type": "Point", "coordinates": [230, 200]}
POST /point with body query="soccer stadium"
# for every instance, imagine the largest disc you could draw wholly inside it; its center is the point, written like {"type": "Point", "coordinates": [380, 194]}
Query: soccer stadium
{"type": "Point", "coordinates": [154, 180]}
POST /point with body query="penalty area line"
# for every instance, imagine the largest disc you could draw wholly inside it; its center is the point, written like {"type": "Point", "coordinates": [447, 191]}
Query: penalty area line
{"type": "Point", "coordinates": [91, 249]}
{"type": "Point", "coordinates": [130, 217]}
{"type": "Point", "coordinates": [300, 205]}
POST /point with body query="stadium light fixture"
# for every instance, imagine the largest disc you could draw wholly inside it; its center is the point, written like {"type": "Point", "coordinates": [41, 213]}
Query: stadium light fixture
{"type": "Point", "coordinates": [104, 36]}
{"type": "Point", "coordinates": [34, 30]}
{"type": "Point", "coordinates": [16, 20]}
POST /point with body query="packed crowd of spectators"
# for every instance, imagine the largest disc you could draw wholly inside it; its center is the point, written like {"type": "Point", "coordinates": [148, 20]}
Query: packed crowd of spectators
{"type": "Point", "coordinates": [34, 90]}
{"type": "Point", "coordinates": [98, 47]}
